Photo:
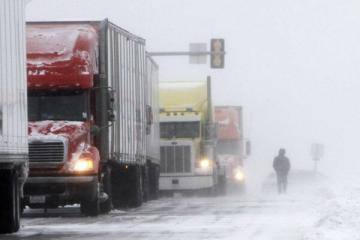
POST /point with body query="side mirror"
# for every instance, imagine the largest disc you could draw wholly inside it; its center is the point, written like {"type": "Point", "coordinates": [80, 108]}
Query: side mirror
{"type": "Point", "coordinates": [94, 130]}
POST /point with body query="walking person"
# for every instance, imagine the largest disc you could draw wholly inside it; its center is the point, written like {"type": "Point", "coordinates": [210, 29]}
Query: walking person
{"type": "Point", "coordinates": [281, 166]}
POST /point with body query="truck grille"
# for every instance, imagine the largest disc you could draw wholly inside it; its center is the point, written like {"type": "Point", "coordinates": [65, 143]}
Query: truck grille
{"type": "Point", "coordinates": [175, 159]}
{"type": "Point", "coordinates": [46, 152]}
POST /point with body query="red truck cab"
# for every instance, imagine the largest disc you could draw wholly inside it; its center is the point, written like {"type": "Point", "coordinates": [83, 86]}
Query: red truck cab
{"type": "Point", "coordinates": [64, 161]}
{"type": "Point", "coordinates": [92, 93]}
{"type": "Point", "coordinates": [230, 145]}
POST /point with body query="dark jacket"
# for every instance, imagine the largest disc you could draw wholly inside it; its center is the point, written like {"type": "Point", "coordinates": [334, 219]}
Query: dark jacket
{"type": "Point", "coordinates": [281, 165]}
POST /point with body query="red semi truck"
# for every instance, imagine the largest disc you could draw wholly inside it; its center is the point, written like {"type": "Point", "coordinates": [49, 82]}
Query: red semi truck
{"type": "Point", "coordinates": [230, 145]}
{"type": "Point", "coordinates": [92, 111]}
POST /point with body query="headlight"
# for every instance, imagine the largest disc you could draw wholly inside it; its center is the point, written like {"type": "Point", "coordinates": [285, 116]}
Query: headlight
{"type": "Point", "coordinates": [83, 165]}
{"type": "Point", "coordinates": [239, 175]}
{"type": "Point", "coordinates": [205, 163]}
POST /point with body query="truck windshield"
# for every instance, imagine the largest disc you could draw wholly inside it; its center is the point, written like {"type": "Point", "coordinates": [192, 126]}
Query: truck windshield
{"type": "Point", "coordinates": [180, 129]}
{"type": "Point", "coordinates": [58, 105]}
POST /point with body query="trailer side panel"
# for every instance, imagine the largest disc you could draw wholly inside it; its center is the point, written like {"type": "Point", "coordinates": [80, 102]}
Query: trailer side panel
{"type": "Point", "coordinates": [13, 90]}
{"type": "Point", "coordinates": [126, 76]}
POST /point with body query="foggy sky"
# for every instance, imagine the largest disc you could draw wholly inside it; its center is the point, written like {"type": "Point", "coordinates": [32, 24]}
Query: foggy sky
{"type": "Point", "coordinates": [293, 65]}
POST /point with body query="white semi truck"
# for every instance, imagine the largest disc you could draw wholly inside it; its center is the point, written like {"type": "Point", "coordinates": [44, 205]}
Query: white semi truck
{"type": "Point", "coordinates": [188, 140]}
{"type": "Point", "coordinates": [13, 112]}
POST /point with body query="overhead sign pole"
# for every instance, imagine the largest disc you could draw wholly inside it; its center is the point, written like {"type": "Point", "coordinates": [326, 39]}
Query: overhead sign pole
{"type": "Point", "coordinates": [198, 50]}
{"type": "Point", "coordinates": [178, 53]}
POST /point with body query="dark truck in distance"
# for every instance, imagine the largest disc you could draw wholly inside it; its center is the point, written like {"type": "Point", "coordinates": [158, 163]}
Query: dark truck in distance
{"type": "Point", "coordinates": [91, 113]}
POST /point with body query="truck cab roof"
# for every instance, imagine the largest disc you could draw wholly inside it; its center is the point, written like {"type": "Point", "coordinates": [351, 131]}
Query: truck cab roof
{"type": "Point", "coordinates": [61, 55]}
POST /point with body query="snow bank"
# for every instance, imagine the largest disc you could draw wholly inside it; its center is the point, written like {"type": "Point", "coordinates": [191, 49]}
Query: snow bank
{"type": "Point", "coordinates": [340, 213]}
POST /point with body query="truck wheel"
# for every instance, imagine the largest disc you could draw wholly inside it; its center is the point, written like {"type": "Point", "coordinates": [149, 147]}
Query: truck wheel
{"type": "Point", "coordinates": [221, 186]}
{"type": "Point", "coordinates": [9, 202]}
{"type": "Point", "coordinates": [157, 179]}
{"type": "Point", "coordinates": [242, 188]}
{"type": "Point", "coordinates": [18, 207]}
{"type": "Point", "coordinates": [105, 207]}
{"type": "Point", "coordinates": [126, 184]}
{"type": "Point", "coordinates": [146, 183]}
{"type": "Point", "coordinates": [136, 190]}
{"type": "Point", "coordinates": [154, 181]}
{"type": "Point", "coordinates": [210, 192]}
{"type": "Point", "coordinates": [119, 179]}
{"type": "Point", "coordinates": [91, 207]}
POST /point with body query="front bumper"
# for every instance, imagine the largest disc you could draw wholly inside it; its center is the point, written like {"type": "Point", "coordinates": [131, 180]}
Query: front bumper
{"type": "Point", "coordinates": [79, 179]}
{"type": "Point", "coordinates": [186, 182]}
{"type": "Point", "coordinates": [61, 190]}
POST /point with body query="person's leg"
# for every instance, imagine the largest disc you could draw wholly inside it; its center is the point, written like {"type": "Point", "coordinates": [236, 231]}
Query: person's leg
{"type": "Point", "coordinates": [285, 182]}
{"type": "Point", "coordinates": [279, 182]}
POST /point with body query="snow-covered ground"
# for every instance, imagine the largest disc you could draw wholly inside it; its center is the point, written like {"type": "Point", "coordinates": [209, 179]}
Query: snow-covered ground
{"type": "Point", "coordinates": [315, 207]}
{"type": "Point", "coordinates": [339, 213]}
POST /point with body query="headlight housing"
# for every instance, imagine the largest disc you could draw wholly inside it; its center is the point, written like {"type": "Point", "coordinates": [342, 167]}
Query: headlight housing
{"type": "Point", "coordinates": [205, 163]}
{"type": "Point", "coordinates": [239, 175]}
{"type": "Point", "coordinates": [83, 165]}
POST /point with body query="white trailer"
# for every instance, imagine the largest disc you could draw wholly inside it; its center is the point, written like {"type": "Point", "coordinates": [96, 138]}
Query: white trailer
{"type": "Point", "coordinates": [152, 128]}
{"type": "Point", "coordinates": [13, 112]}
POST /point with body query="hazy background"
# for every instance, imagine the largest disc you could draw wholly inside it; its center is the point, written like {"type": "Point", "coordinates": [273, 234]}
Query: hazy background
{"type": "Point", "coordinates": [293, 65]}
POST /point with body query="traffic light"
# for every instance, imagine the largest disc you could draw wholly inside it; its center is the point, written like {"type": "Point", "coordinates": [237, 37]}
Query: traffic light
{"type": "Point", "coordinates": [217, 53]}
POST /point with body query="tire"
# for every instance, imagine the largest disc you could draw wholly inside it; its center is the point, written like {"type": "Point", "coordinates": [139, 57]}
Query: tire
{"type": "Point", "coordinates": [127, 186]}
{"type": "Point", "coordinates": [156, 181]}
{"type": "Point", "coordinates": [18, 207]}
{"type": "Point", "coordinates": [221, 186]}
{"type": "Point", "coordinates": [242, 188]}
{"type": "Point", "coordinates": [91, 207]}
{"type": "Point", "coordinates": [119, 178]}
{"type": "Point", "coordinates": [9, 202]}
{"type": "Point", "coordinates": [154, 175]}
{"type": "Point", "coordinates": [136, 187]}
{"type": "Point", "coordinates": [146, 183]}
{"type": "Point", "coordinates": [205, 192]}
{"type": "Point", "coordinates": [105, 207]}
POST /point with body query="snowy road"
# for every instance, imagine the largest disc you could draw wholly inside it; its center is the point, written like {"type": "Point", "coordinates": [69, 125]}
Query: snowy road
{"type": "Point", "coordinates": [267, 217]}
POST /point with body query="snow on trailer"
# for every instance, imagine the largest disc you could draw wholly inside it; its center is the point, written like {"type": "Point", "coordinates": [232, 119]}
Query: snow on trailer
{"type": "Point", "coordinates": [101, 71]}
{"type": "Point", "coordinates": [62, 56]}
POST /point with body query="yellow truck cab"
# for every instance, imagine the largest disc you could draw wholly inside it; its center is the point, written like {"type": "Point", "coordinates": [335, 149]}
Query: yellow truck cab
{"type": "Point", "coordinates": [187, 132]}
